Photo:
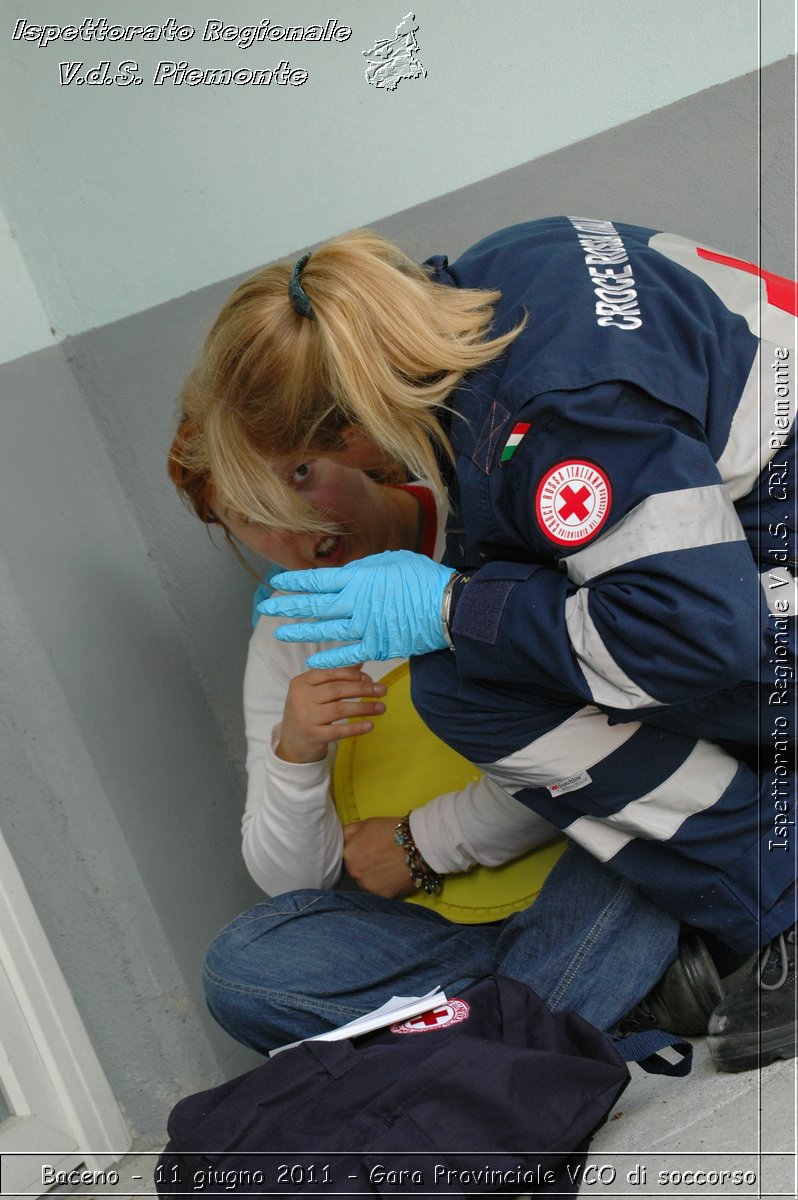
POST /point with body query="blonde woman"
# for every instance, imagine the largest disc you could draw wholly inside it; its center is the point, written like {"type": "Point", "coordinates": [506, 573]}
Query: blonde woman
{"type": "Point", "coordinates": [586, 392]}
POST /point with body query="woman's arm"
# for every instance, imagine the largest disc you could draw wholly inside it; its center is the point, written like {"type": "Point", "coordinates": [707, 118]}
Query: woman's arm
{"type": "Point", "coordinates": [291, 835]}
{"type": "Point", "coordinates": [481, 824]}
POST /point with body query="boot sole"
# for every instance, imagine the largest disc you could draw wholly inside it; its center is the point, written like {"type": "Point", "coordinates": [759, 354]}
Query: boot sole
{"type": "Point", "coordinates": [746, 1052]}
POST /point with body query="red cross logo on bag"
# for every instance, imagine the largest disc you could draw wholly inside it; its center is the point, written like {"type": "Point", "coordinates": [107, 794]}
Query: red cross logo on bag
{"type": "Point", "coordinates": [450, 1013]}
{"type": "Point", "coordinates": [573, 502]}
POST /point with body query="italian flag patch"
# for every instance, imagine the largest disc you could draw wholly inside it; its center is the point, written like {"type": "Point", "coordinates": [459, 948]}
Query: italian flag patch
{"type": "Point", "coordinates": [513, 442]}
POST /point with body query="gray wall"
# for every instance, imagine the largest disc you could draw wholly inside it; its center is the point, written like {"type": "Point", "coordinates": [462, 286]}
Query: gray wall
{"type": "Point", "coordinates": [124, 631]}
{"type": "Point", "coordinates": [718, 167]}
{"type": "Point", "coordinates": [117, 797]}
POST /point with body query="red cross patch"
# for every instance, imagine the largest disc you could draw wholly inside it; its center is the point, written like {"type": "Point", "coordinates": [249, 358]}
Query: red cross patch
{"type": "Point", "coordinates": [450, 1013]}
{"type": "Point", "coordinates": [573, 502]}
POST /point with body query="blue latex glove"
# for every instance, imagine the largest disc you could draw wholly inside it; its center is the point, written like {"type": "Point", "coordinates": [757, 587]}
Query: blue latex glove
{"type": "Point", "coordinates": [388, 605]}
{"type": "Point", "coordinates": [263, 591]}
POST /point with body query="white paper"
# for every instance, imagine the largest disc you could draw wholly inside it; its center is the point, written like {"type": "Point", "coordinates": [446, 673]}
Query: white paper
{"type": "Point", "coordinates": [398, 1008]}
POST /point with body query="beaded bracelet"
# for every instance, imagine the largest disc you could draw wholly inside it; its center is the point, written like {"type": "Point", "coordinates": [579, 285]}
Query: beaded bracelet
{"type": "Point", "coordinates": [421, 872]}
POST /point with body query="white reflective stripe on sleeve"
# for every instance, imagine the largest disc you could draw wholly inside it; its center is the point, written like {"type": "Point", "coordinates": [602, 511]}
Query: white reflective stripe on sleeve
{"type": "Point", "coordinates": [694, 787]}
{"type": "Point", "coordinates": [681, 520]}
{"type": "Point", "coordinates": [741, 291]}
{"type": "Point", "coordinates": [598, 838]}
{"type": "Point", "coordinates": [780, 587]}
{"type": "Point", "coordinates": [609, 685]}
{"type": "Point", "coordinates": [748, 449]}
{"type": "Point", "coordinates": [582, 741]}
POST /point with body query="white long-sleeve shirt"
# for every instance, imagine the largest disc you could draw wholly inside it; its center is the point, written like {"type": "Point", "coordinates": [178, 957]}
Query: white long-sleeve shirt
{"type": "Point", "coordinates": [291, 834]}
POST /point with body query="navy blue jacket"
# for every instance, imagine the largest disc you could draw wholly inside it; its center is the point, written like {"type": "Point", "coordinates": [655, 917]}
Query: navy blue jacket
{"type": "Point", "coordinates": [624, 477]}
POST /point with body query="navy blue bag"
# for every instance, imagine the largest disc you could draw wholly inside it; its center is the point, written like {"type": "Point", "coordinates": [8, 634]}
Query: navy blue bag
{"type": "Point", "coordinates": [491, 1092]}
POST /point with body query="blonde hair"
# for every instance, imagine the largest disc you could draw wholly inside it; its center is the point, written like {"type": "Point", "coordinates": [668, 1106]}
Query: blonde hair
{"type": "Point", "coordinates": [385, 349]}
{"type": "Point", "coordinates": [195, 487]}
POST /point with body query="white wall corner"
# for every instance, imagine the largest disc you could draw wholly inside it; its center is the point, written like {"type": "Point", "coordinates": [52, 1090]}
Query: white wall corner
{"type": "Point", "coordinates": [24, 324]}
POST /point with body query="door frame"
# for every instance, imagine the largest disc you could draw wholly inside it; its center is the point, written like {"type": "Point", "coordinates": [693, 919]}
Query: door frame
{"type": "Point", "coordinates": [82, 1100]}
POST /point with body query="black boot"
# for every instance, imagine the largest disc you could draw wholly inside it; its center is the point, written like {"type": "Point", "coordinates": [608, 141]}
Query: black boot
{"type": "Point", "coordinates": [755, 1024]}
{"type": "Point", "coordinates": [684, 997]}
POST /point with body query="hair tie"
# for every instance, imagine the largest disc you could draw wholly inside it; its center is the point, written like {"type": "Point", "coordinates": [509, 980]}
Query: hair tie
{"type": "Point", "coordinates": [299, 298]}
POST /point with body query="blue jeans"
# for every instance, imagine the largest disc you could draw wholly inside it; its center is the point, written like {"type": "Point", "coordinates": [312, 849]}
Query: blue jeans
{"type": "Point", "coordinates": [310, 960]}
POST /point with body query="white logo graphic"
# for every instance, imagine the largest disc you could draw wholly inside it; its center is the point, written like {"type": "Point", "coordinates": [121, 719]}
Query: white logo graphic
{"type": "Point", "coordinates": [573, 502]}
{"type": "Point", "coordinates": [450, 1013]}
{"type": "Point", "coordinates": [393, 59]}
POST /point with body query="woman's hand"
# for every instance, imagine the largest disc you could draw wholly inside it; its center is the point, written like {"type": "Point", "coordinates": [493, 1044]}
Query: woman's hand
{"type": "Point", "coordinates": [318, 699]}
{"type": "Point", "coordinates": [373, 859]}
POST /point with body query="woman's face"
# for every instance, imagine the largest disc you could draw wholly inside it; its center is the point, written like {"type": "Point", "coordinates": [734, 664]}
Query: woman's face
{"type": "Point", "coordinates": [353, 501]}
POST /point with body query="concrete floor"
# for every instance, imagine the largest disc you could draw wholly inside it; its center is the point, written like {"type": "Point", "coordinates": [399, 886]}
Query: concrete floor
{"type": "Point", "coordinates": [709, 1121]}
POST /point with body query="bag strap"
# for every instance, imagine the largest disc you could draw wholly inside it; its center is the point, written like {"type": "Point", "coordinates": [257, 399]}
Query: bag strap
{"type": "Point", "coordinates": [644, 1048]}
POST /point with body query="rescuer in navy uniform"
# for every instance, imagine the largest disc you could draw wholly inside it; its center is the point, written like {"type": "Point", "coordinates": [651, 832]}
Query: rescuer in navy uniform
{"type": "Point", "coordinates": [611, 408]}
